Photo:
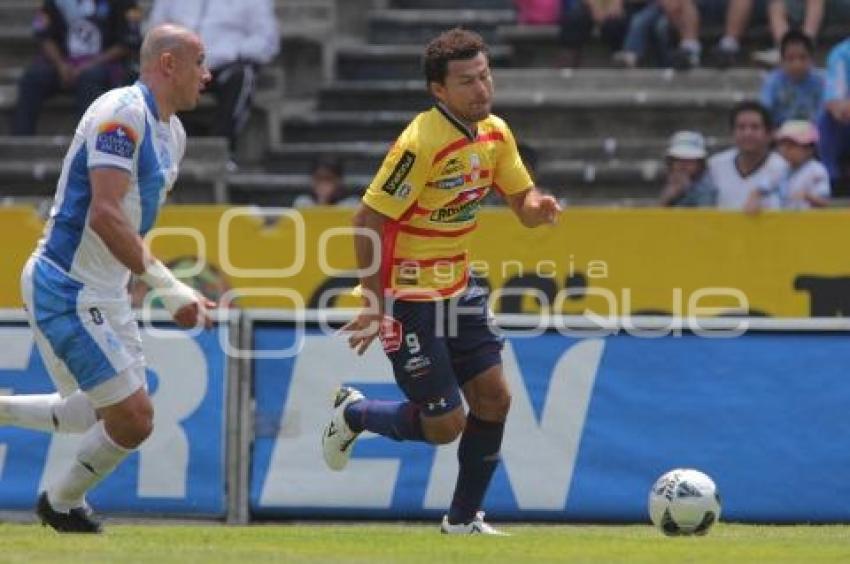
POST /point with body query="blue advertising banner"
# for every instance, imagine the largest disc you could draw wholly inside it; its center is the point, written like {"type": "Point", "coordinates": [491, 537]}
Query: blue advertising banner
{"type": "Point", "coordinates": [179, 470]}
{"type": "Point", "coordinates": [593, 423]}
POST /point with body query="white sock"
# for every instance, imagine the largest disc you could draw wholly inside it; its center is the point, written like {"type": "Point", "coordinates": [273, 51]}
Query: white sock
{"type": "Point", "coordinates": [48, 412]}
{"type": "Point", "coordinates": [690, 45]}
{"type": "Point", "coordinates": [96, 458]}
{"type": "Point", "coordinates": [729, 43]}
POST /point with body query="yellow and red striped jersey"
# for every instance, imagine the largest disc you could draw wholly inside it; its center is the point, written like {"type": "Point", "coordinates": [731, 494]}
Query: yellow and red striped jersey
{"type": "Point", "coordinates": [430, 186]}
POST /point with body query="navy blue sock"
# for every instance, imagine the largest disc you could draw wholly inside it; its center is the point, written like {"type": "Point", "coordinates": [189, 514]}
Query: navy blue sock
{"type": "Point", "coordinates": [478, 455]}
{"type": "Point", "coordinates": [398, 420]}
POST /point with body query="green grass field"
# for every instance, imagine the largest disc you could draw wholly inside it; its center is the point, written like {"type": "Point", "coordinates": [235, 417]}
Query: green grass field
{"type": "Point", "coordinates": [368, 543]}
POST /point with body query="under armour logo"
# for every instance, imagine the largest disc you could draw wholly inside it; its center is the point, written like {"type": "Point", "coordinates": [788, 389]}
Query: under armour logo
{"type": "Point", "coordinates": [432, 405]}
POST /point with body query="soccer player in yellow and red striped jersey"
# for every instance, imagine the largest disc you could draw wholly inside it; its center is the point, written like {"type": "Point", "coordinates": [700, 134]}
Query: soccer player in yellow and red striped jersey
{"type": "Point", "coordinates": [431, 317]}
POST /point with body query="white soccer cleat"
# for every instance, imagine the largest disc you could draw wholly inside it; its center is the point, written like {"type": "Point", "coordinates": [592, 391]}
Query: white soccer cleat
{"type": "Point", "coordinates": [338, 437]}
{"type": "Point", "coordinates": [475, 527]}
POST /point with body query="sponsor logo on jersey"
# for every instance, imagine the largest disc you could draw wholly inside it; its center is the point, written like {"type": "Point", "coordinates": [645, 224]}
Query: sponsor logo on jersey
{"type": "Point", "coordinates": [408, 274]}
{"type": "Point", "coordinates": [399, 173]}
{"type": "Point", "coordinates": [403, 191]}
{"type": "Point", "coordinates": [417, 366]}
{"type": "Point", "coordinates": [456, 214]}
{"type": "Point", "coordinates": [452, 166]}
{"type": "Point", "coordinates": [116, 138]}
{"type": "Point", "coordinates": [449, 183]}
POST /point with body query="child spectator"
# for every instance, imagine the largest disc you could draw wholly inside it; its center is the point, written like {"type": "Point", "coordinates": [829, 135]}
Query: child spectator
{"type": "Point", "coordinates": [688, 181]}
{"type": "Point", "coordinates": [807, 183]}
{"type": "Point", "coordinates": [796, 90]}
{"type": "Point", "coordinates": [328, 187]}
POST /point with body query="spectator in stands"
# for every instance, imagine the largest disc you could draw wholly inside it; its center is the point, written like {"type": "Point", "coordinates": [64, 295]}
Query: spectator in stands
{"type": "Point", "coordinates": [750, 165]}
{"type": "Point", "coordinates": [688, 181]}
{"type": "Point", "coordinates": [834, 120]}
{"type": "Point", "coordinates": [538, 12]}
{"type": "Point", "coordinates": [328, 187]}
{"type": "Point", "coordinates": [239, 36]}
{"type": "Point", "coordinates": [650, 30]}
{"type": "Point", "coordinates": [728, 49]}
{"type": "Point", "coordinates": [807, 13]}
{"type": "Point", "coordinates": [796, 90]}
{"type": "Point", "coordinates": [84, 48]}
{"type": "Point", "coordinates": [581, 18]}
{"type": "Point", "coordinates": [807, 183]}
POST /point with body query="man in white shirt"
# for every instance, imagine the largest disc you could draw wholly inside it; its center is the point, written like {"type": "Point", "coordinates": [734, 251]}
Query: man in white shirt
{"type": "Point", "coordinates": [121, 163]}
{"type": "Point", "coordinates": [750, 166]}
{"type": "Point", "coordinates": [239, 36]}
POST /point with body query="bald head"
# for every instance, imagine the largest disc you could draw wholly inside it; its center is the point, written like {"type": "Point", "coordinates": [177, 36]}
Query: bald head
{"type": "Point", "coordinates": [165, 38]}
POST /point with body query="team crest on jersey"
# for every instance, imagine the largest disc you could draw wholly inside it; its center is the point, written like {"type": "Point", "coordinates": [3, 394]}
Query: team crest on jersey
{"type": "Point", "coordinates": [116, 138]}
{"type": "Point", "coordinates": [399, 173]}
{"type": "Point", "coordinates": [475, 163]}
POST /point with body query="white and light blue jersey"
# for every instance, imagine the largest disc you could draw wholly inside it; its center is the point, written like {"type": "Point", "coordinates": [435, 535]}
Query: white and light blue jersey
{"type": "Point", "coordinates": [838, 72]}
{"type": "Point", "coordinates": [121, 129]}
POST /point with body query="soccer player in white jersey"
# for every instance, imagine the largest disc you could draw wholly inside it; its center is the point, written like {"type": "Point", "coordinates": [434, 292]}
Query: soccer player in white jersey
{"type": "Point", "coordinates": [121, 163]}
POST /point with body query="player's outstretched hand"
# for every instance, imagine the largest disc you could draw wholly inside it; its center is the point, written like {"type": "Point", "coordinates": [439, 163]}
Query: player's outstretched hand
{"type": "Point", "coordinates": [363, 329]}
{"type": "Point", "coordinates": [549, 208]}
{"type": "Point", "coordinates": [195, 314]}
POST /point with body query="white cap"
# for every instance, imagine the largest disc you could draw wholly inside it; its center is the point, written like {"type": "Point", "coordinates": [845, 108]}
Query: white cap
{"type": "Point", "coordinates": [801, 132]}
{"type": "Point", "coordinates": [687, 145]}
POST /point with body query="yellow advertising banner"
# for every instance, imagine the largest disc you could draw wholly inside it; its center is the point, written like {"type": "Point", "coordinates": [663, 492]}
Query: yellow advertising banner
{"type": "Point", "coordinates": [608, 261]}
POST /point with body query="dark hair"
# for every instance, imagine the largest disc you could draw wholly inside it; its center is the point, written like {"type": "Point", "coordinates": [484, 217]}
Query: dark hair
{"type": "Point", "coordinates": [453, 45]}
{"type": "Point", "coordinates": [331, 163]}
{"type": "Point", "coordinates": [751, 106]}
{"type": "Point", "coordinates": [796, 37]}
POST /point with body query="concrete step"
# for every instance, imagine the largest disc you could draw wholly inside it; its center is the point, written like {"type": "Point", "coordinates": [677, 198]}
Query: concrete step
{"type": "Point", "coordinates": [30, 167]}
{"type": "Point", "coordinates": [572, 180]}
{"type": "Point", "coordinates": [18, 12]}
{"type": "Point", "coordinates": [360, 157]}
{"type": "Point", "coordinates": [344, 126]}
{"type": "Point", "coordinates": [402, 95]}
{"type": "Point", "coordinates": [575, 169]}
{"type": "Point", "coordinates": [603, 79]}
{"type": "Point", "coordinates": [453, 4]}
{"type": "Point", "coordinates": [560, 80]}
{"type": "Point", "coordinates": [17, 44]}
{"type": "Point", "coordinates": [275, 189]}
{"type": "Point", "coordinates": [211, 150]}
{"type": "Point", "coordinates": [420, 26]}
{"type": "Point", "coordinates": [364, 157]}
{"type": "Point", "coordinates": [531, 115]}
{"type": "Point", "coordinates": [539, 45]}
{"type": "Point", "coordinates": [393, 62]}
{"type": "Point", "coordinates": [58, 115]}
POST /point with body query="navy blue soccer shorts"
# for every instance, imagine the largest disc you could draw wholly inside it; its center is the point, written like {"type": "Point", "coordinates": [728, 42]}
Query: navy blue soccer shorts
{"type": "Point", "coordinates": [436, 347]}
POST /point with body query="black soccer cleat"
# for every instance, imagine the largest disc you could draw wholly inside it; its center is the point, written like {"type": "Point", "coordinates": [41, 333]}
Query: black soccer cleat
{"type": "Point", "coordinates": [78, 520]}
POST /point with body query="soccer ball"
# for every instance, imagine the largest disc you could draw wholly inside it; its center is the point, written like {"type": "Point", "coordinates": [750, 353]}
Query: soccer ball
{"type": "Point", "coordinates": [684, 502]}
